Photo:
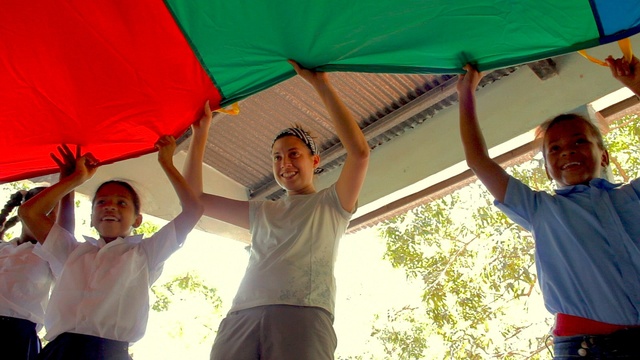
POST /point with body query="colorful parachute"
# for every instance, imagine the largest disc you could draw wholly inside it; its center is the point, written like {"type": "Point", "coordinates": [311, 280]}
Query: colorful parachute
{"type": "Point", "coordinates": [113, 75]}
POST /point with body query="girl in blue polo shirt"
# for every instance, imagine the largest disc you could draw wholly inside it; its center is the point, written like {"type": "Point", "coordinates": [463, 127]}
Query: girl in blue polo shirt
{"type": "Point", "coordinates": [587, 234]}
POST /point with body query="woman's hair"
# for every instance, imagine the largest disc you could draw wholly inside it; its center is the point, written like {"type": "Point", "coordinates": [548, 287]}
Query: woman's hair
{"type": "Point", "coordinates": [128, 187]}
{"type": "Point", "coordinates": [543, 128]}
{"type": "Point", "coordinates": [298, 131]}
{"type": "Point", "coordinates": [16, 199]}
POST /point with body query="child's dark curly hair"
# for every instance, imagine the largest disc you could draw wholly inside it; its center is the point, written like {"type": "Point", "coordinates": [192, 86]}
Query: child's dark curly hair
{"type": "Point", "coordinates": [16, 199]}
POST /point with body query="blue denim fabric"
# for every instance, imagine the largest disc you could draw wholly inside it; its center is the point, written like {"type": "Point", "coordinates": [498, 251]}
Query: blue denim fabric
{"type": "Point", "coordinates": [623, 344]}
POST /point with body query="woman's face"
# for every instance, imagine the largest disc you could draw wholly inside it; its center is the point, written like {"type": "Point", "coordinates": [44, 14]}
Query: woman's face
{"type": "Point", "coordinates": [293, 165]}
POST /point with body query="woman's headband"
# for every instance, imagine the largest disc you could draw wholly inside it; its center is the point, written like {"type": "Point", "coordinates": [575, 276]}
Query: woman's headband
{"type": "Point", "coordinates": [306, 139]}
{"type": "Point", "coordinates": [300, 134]}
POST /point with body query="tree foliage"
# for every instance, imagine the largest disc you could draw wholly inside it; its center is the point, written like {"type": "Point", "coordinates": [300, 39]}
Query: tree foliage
{"type": "Point", "coordinates": [146, 228]}
{"type": "Point", "coordinates": [477, 270]}
{"type": "Point", "coordinates": [186, 306]}
{"type": "Point", "coordinates": [623, 143]}
{"type": "Point", "coordinates": [183, 288]}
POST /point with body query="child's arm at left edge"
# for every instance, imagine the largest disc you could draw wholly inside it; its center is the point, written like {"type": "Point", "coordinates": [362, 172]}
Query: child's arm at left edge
{"type": "Point", "coordinates": [355, 166]}
{"type": "Point", "coordinates": [34, 212]}
{"type": "Point", "coordinates": [192, 208]}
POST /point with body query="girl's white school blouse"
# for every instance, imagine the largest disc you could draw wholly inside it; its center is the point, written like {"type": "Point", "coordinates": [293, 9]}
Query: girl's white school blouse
{"type": "Point", "coordinates": [25, 282]}
{"type": "Point", "coordinates": [103, 289]}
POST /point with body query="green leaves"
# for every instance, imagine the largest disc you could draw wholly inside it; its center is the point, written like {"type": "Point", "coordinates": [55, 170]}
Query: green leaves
{"type": "Point", "coordinates": [146, 228]}
{"type": "Point", "coordinates": [182, 288]}
{"type": "Point", "coordinates": [475, 264]}
{"type": "Point", "coordinates": [623, 142]}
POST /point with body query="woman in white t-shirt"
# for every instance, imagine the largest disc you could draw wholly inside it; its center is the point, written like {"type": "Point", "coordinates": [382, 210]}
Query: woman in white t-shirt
{"type": "Point", "coordinates": [284, 307]}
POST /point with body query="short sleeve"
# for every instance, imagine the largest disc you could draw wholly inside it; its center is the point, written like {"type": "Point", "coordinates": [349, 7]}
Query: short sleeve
{"type": "Point", "coordinates": [159, 248]}
{"type": "Point", "coordinates": [254, 207]}
{"type": "Point", "coordinates": [519, 203]}
{"type": "Point", "coordinates": [334, 200]}
{"type": "Point", "coordinates": [56, 248]}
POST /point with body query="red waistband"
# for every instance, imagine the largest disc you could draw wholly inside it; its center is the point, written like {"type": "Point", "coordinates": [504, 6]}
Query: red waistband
{"type": "Point", "coordinates": [569, 325]}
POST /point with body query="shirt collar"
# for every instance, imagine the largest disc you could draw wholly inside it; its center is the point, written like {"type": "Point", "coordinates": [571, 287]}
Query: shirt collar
{"type": "Point", "coordinates": [14, 242]}
{"type": "Point", "coordinates": [598, 183]}
{"type": "Point", "coordinates": [100, 243]}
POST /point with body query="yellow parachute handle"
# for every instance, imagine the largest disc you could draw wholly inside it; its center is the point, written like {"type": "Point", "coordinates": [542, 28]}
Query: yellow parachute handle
{"type": "Point", "coordinates": [625, 46]}
{"type": "Point", "coordinates": [234, 110]}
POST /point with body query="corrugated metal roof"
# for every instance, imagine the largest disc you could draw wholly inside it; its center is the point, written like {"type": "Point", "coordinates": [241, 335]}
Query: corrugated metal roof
{"type": "Point", "coordinates": [385, 106]}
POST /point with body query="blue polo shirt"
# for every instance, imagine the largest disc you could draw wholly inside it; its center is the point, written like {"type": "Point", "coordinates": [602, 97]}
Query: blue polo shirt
{"type": "Point", "coordinates": [587, 241]}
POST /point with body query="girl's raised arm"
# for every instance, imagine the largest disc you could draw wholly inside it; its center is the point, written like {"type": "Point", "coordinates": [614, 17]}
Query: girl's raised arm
{"type": "Point", "coordinates": [224, 209]}
{"type": "Point", "coordinates": [627, 72]}
{"type": "Point", "coordinates": [34, 212]}
{"type": "Point", "coordinates": [191, 206]}
{"type": "Point", "coordinates": [475, 149]}
{"type": "Point", "coordinates": [66, 162]}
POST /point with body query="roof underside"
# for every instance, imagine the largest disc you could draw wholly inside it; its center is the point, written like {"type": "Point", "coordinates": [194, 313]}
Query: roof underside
{"type": "Point", "coordinates": [385, 106]}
